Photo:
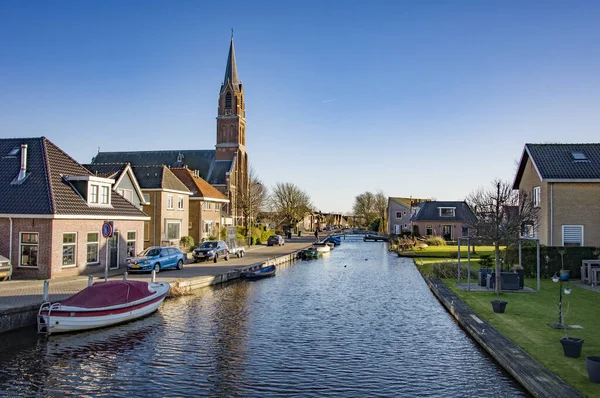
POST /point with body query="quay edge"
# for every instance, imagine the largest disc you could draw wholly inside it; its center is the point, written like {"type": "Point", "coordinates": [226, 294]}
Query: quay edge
{"type": "Point", "coordinates": [536, 379]}
{"type": "Point", "coordinates": [25, 316]}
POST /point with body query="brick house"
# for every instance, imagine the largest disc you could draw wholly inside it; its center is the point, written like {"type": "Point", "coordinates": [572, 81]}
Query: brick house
{"type": "Point", "coordinates": [206, 204]}
{"type": "Point", "coordinates": [52, 210]}
{"type": "Point", "coordinates": [450, 220]}
{"type": "Point", "coordinates": [165, 201]}
{"type": "Point", "coordinates": [564, 182]}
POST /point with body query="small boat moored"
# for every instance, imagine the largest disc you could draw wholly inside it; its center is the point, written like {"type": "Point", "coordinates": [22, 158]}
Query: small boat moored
{"type": "Point", "coordinates": [102, 304]}
{"type": "Point", "coordinates": [321, 247]}
{"type": "Point", "coordinates": [311, 253]}
{"type": "Point", "coordinates": [260, 272]}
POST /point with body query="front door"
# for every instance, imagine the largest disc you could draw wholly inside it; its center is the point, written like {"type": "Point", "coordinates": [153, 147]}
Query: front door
{"type": "Point", "coordinates": [113, 251]}
{"type": "Point", "coordinates": [447, 232]}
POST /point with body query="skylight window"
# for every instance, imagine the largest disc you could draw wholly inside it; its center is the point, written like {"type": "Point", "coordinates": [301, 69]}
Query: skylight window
{"type": "Point", "coordinates": [578, 156]}
{"type": "Point", "coordinates": [14, 151]}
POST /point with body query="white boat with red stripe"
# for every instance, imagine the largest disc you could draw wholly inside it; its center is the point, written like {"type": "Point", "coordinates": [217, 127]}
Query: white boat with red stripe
{"type": "Point", "coordinates": [102, 304]}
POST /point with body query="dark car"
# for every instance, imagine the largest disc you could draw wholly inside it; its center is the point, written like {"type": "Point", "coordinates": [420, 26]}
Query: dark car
{"type": "Point", "coordinates": [156, 258]}
{"type": "Point", "coordinates": [275, 240]}
{"type": "Point", "coordinates": [211, 250]}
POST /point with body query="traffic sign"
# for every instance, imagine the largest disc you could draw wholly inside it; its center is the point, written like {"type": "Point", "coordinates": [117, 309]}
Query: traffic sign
{"type": "Point", "coordinates": [107, 229]}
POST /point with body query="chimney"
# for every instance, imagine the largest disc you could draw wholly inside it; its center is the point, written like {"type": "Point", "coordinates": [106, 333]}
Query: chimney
{"type": "Point", "coordinates": [23, 171]}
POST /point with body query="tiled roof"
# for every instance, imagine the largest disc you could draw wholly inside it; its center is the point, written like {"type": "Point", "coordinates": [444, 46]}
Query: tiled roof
{"type": "Point", "coordinates": [557, 162]}
{"type": "Point", "coordinates": [106, 170]}
{"type": "Point", "coordinates": [197, 185]}
{"type": "Point", "coordinates": [409, 201]}
{"type": "Point", "coordinates": [158, 177]}
{"type": "Point", "coordinates": [46, 189]}
{"type": "Point", "coordinates": [428, 211]}
{"type": "Point", "coordinates": [218, 172]}
{"type": "Point", "coordinates": [200, 160]}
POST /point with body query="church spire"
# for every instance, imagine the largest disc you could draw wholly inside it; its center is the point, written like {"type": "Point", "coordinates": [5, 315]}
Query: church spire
{"type": "Point", "coordinates": [231, 75]}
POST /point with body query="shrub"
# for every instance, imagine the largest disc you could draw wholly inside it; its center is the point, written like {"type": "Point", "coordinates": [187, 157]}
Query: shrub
{"type": "Point", "coordinates": [212, 237]}
{"type": "Point", "coordinates": [550, 259]}
{"type": "Point", "coordinates": [485, 261]}
{"type": "Point", "coordinates": [447, 269]}
{"type": "Point", "coordinates": [187, 242]}
{"type": "Point", "coordinates": [435, 241]}
{"type": "Point", "coordinates": [258, 241]}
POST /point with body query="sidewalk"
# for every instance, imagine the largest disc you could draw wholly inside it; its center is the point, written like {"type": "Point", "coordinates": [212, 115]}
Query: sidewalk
{"type": "Point", "coordinates": [16, 294]}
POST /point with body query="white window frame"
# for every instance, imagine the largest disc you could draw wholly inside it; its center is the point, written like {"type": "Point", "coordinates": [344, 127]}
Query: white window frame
{"type": "Point", "coordinates": [397, 229]}
{"type": "Point", "coordinates": [582, 231]}
{"type": "Point", "coordinates": [169, 202]}
{"type": "Point", "coordinates": [74, 244]}
{"type": "Point", "coordinates": [398, 213]}
{"type": "Point", "coordinates": [453, 209]}
{"type": "Point", "coordinates": [167, 222]}
{"type": "Point", "coordinates": [94, 193]}
{"type": "Point", "coordinates": [207, 205]}
{"type": "Point", "coordinates": [128, 241]}
{"type": "Point", "coordinates": [88, 243]}
{"type": "Point", "coordinates": [537, 196]}
{"type": "Point", "coordinates": [430, 226]}
{"type": "Point", "coordinates": [104, 198]}
{"type": "Point", "coordinates": [180, 203]}
{"type": "Point", "coordinates": [147, 198]}
{"type": "Point", "coordinates": [126, 193]}
{"type": "Point", "coordinates": [21, 244]}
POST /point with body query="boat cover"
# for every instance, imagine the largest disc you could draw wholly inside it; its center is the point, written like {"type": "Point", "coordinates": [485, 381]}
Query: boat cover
{"type": "Point", "coordinates": [106, 294]}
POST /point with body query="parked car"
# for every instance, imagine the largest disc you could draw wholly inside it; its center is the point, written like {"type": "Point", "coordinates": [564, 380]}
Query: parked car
{"type": "Point", "coordinates": [5, 269]}
{"type": "Point", "coordinates": [275, 240]}
{"type": "Point", "coordinates": [211, 250]}
{"type": "Point", "coordinates": [156, 258]}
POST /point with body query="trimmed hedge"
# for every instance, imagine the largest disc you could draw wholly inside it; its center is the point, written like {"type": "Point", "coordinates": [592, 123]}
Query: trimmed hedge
{"type": "Point", "coordinates": [550, 259]}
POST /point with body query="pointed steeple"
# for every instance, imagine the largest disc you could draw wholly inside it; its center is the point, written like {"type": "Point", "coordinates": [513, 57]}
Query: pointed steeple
{"type": "Point", "coordinates": [231, 75]}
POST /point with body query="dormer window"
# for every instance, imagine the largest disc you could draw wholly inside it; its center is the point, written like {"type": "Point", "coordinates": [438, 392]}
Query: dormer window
{"type": "Point", "coordinates": [447, 211]}
{"type": "Point", "coordinates": [104, 193]}
{"type": "Point", "coordinates": [93, 197]}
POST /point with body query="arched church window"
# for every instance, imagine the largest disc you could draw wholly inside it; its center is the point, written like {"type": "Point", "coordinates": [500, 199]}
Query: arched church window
{"type": "Point", "coordinates": [228, 101]}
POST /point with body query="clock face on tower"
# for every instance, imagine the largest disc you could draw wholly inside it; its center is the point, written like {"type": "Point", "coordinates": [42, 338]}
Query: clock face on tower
{"type": "Point", "coordinates": [227, 112]}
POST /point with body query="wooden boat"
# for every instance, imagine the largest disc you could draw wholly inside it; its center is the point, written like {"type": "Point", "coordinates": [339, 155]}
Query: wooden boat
{"type": "Point", "coordinates": [261, 272]}
{"type": "Point", "coordinates": [102, 304]}
{"type": "Point", "coordinates": [308, 254]}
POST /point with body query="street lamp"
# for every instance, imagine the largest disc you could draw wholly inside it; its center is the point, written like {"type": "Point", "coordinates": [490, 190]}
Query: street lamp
{"type": "Point", "coordinates": [567, 290]}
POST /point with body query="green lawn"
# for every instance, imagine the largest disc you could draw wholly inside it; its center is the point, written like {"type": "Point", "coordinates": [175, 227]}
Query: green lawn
{"type": "Point", "coordinates": [527, 315]}
{"type": "Point", "coordinates": [526, 320]}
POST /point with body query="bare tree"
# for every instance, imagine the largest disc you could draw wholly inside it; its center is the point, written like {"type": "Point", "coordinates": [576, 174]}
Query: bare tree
{"type": "Point", "coordinates": [250, 199]}
{"type": "Point", "coordinates": [289, 202]}
{"type": "Point", "coordinates": [501, 214]}
{"type": "Point", "coordinates": [364, 207]}
{"type": "Point", "coordinates": [380, 207]}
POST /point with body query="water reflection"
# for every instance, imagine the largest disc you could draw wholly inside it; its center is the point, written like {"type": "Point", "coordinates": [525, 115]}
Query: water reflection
{"type": "Point", "coordinates": [359, 322]}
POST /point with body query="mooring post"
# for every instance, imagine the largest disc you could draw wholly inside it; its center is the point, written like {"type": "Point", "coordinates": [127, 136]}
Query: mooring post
{"type": "Point", "coordinates": [458, 283]}
{"type": "Point", "coordinates": [90, 280]}
{"type": "Point", "coordinates": [46, 288]}
{"type": "Point", "coordinates": [469, 264]}
{"type": "Point", "coordinates": [153, 279]}
{"type": "Point", "coordinates": [125, 275]}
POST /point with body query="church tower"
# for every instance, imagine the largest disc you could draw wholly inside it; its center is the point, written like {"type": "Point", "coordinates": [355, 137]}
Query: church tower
{"type": "Point", "coordinates": [231, 132]}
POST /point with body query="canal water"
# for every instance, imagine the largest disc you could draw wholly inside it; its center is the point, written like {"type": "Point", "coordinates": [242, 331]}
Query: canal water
{"type": "Point", "coordinates": [359, 322]}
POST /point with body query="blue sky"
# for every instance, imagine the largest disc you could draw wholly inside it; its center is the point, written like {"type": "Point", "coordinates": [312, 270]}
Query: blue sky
{"type": "Point", "coordinates": [421, 98]}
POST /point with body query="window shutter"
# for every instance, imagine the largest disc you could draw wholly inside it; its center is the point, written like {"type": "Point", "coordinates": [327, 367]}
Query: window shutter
{"type": "Point", "coordinates": [572, 235]}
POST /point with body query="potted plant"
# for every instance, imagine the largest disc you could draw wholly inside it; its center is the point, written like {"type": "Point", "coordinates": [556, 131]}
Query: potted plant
{"type": "Point", "coordinates": [593, 368]}
{"type": "Point", "coordinates": [571, 345]}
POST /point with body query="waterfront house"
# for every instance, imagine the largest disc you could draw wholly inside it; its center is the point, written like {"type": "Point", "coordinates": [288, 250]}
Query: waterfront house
{"type": "Point", "coordinates": [206, 203]}
{"type": "Point", "coordinates": [450, 220]}
{"type": "Point", "coordinates": [399, 212]}
{"type": "Point", "coordinates": [564, 182]}
{"type": "Point", "coordinates": [52, 212]}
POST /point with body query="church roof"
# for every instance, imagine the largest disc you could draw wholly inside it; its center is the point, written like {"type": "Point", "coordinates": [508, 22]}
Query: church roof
{"type": "Point", "coordinates": [203, 161]}
{"type": "Point", "coordinates": [231, 74]}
